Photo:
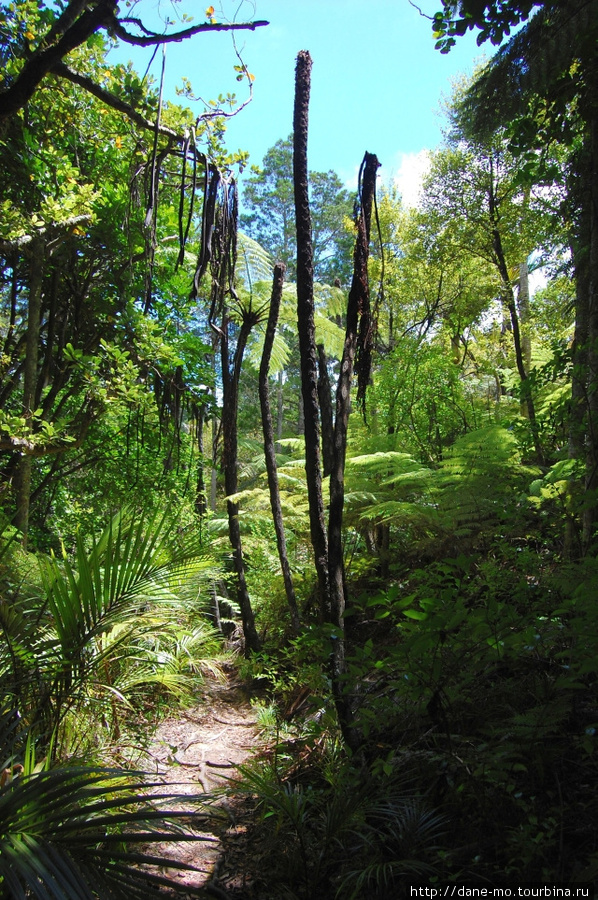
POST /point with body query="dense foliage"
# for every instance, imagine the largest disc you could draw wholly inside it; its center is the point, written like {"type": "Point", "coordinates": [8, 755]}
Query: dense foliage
{"type": "Point", "coordinates": [430, 664]}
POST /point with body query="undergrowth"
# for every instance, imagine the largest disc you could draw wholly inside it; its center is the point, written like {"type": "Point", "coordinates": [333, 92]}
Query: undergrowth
{"type": "Point", "coordinates": [473, 687]}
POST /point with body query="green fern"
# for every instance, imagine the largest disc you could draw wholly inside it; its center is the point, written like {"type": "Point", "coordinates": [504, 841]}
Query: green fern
{"type": "Point", "coordinates": [479, 478]}
{"type": "Point", "coordinates": [254, 263]}
{"type": "Point", "coordinates": [387, 487]}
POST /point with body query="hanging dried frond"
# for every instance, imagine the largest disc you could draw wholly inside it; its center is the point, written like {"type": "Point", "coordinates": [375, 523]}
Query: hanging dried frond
{"type": "Point", "coordinates": [189, 154]}
{"type": "Point", "coordinates": [218, 243]}
{"type": "Point", "coordinates": [359, 295]}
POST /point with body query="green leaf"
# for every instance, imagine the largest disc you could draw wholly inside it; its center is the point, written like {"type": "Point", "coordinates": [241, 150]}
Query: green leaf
{"type": "Point", "coordinates": [415, 614]}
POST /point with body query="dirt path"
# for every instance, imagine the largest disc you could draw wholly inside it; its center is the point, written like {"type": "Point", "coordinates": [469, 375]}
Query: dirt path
{"type": "Point", "coordinates": [200, 747]}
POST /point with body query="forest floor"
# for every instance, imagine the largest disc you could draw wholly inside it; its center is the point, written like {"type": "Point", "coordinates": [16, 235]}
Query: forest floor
{"type": "Point", "coordinates": [196, 752]}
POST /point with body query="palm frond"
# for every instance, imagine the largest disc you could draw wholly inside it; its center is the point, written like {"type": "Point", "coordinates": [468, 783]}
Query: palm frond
{"type": "Point", "coordinates": [68, 833]}
{"type": "Point", "coordinates": [11, 733]}
{"type": "Point", "coordinates": [130, 562]}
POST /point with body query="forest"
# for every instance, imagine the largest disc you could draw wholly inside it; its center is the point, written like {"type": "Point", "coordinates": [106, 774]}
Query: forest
{"type": "Point", "coordinates": [340, 450]}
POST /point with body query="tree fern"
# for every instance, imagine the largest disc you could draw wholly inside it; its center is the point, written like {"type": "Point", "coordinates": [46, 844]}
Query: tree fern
{"type": "Point", "coordinates": [330, 334]}
{"type": "Point", "coordinates": [330, 299]}
{"type": "Point", "coordinates": [479, 479]}
{"type": "Point", "coordinates": [387, 487]}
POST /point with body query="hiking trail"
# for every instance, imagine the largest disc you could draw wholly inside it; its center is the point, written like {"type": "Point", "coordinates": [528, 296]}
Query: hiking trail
{"type": "Point", "coordinates": [195, 751]}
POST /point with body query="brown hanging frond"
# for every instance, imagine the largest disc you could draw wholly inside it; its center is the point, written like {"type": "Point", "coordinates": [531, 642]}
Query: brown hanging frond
{"type": "Point", "coordinates": [185, 155]}
{"type": "Point", "coordinates": [223, 250]}
{"type": "Point", "coordinates": [208, 214]}
{"type": "Point", "coordinates": [218, 241]}
{"type": "Point", "coordinates": [192, 154]}
{"type": "Point", "coordinates": [151, 214]}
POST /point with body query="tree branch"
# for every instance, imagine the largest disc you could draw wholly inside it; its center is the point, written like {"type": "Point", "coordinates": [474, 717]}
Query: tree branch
{"type": "Point", "coordinates": [43, 60]}
{"type": "Point", "coordinates": [88, 84]}
{"type": "Point", "coordinates": [26, 447]}
{"type": "Point", "coordinates": [151, 38]}
{"type": "Point", "coordinates": [65, 21]}
{"type": "Point", "coordinates": [77, 23]}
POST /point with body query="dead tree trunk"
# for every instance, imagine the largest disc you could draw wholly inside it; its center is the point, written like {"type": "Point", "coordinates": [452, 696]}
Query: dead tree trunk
{"type": "Point", "coordinates": [357, 306]}
{"type": "Point", "coordinates": [269, 448]}
{"type": "Point", "coordinates": [306, 330]}
{"type": "Point", "coordinates": [358, 328]}
{"type": "Point", "coordinates": [230, 408]}
{"type": "Point", "coordinates": [327, 416]}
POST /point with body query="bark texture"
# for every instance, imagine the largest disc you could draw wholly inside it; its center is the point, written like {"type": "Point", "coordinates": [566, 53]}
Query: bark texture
{"type": "Point", "coordinates": [358, 325]}
{"type": "Point", "coordinates": [306, 330]}
{"type": "Point", "coordinates": [269, 446]}
{"type": "Point", "coordinates": [326, 413]}
{"type": "Point", "coordinates": [230, 408]}
{"type": "Point", "coordinates": [42, 61]}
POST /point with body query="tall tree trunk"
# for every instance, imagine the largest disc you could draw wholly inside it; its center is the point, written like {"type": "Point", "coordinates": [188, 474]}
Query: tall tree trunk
{"type": "Point", "coordinates": [215, 430]}
{"type": "Point", "coordinates": [269, 449]}
{"type": "Point", "coordinates": [580, 240]}
{"type": "Point", "coordinates": [214, 470]}
{"type": "Point", "coordinates": [306, 330]}
{"type": "Point", "coordinates": [327, 416]}
{"type": "Point", "coordinates": [201, 504]}
{"type": "Point", "coordinates": [230, 409]}
{"type": "Point", "coordinates": [523, 306]}
{"type": "Point", "coordinates": [523, 310]}
{"type": "Point", "coordinates": [579, 350]}
{"type": "Point", "coordinates": [357, 306]}
{"type": "Point", "coordinates": [357, 302]}
{"type": "Point", "coordinates": [24, 469]}
{"type": "Point", "coordinates": [509, 301]}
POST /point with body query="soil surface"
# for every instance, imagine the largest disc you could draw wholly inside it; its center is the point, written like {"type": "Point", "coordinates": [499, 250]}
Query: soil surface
{"type": "Point", "coordinates": [196, 753]}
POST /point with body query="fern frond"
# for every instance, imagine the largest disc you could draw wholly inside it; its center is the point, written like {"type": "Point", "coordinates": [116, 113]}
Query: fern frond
{"type": "Point", "coordinates": [329, 334]}
{"type": "Point", "coordinates": [330, 299]}
{"type": "Point", "coordinates": [254, 263]}
{"type": "Point", "coordinates": [479, 476]}
{"type": "Point", "coordinates": [279, 355]}
{"type": "Point", "coordinates": [293, 443]}
{"type": "Point", "coordinates": [397, 512]}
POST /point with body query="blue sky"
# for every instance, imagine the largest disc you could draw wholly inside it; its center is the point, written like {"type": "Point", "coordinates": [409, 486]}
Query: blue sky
{"type": "Point", "coordinates": [377, 81]}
